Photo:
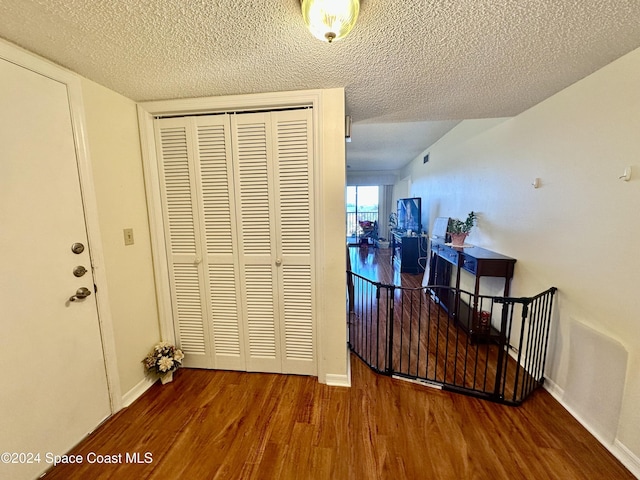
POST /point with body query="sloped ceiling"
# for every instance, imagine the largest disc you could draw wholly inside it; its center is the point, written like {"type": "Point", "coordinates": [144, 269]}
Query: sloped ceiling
{"type": "Point", "coordinates": [426, 64]}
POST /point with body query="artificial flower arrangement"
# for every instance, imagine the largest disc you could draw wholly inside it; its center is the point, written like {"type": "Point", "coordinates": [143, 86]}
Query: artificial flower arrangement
{"type": "Point", "coordinates": [163, 359]}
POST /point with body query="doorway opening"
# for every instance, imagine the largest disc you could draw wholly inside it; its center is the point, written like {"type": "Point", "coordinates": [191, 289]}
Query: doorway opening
{"type": "Point", "coordinates": [362, 208]}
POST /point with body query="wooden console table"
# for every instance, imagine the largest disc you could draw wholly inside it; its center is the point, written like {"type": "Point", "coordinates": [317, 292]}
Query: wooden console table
{"type": "Point", "coordinates": [479, 262]}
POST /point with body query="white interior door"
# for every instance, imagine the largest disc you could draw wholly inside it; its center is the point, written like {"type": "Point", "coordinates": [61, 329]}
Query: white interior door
{"type": "Point", "coordinates": [54, 388]}
{"type": "Point", "coordinates": [253, 160]}
{"type": "Point", "coordinates": [293, 199]}
{"type": "Point", "coordinates": [216, 199]}
{"type": "Point", "coordinates": [175, 143]}
{"type": "Point", "coordinates": [274, 185]}
{"type": "Point", "coordinates": [238, 208]}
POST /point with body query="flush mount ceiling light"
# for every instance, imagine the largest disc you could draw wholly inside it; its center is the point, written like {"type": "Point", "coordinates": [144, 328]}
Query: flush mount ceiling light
{"type": "Point", "coordinates": [330, 20]}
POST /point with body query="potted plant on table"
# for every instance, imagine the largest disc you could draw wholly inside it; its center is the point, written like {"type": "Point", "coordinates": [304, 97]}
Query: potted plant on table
{"type": "Point", "coordinates": [163, 360]}
{"type": "Point", "coordinates": [458, 229]}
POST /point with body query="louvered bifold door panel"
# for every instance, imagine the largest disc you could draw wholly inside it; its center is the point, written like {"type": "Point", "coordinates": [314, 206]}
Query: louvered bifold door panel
{"type": "Point", "coordinates": [221, 251]}
{"type": "Point", "coordinates": [256, 239]}
{"type": "Point", "coordinates": [293, 146]}
{"type": "Point", "coordinates": [179, 201]}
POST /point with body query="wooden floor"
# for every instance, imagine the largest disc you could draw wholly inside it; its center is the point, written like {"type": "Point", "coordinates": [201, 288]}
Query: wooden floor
{"type": "Point", "coordinates": [232, 425]}
{"type": "Point", "coordinates": [375, 264]}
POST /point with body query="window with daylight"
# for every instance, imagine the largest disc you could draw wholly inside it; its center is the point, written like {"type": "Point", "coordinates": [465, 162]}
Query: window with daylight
{"type": "Point", "coordinates": [362, 208]}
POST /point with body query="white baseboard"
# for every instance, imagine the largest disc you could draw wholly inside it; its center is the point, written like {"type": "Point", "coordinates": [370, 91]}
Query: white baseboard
{"type": "Point", "coordinates": [338, 380]}
{"type": "Point", "coordinates": [334, 380]}
{"type": "Point", "coordinates": [617, 449]}
{"type": "Point", "coordinates": [628, 459]}
{"type": "Point", "coordinates": [137, 391]}
{"type": "Point", "coordinates": [555, 391]}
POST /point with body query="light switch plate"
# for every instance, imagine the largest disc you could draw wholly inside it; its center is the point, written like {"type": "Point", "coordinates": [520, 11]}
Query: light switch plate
{"type": "Point", "coordinates": [128, 236]}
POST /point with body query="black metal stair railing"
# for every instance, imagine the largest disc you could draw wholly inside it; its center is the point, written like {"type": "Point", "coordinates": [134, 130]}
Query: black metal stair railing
{"type": "Point", "coordinates": [496, 351]}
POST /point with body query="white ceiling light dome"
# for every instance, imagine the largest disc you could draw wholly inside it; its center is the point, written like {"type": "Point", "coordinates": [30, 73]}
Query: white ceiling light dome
{"type": "Point", "coordinates": [330, 20]}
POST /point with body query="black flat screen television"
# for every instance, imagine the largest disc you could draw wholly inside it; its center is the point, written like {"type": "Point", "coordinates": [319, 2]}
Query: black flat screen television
{"type": "Point", "coordinates": [410, 214]}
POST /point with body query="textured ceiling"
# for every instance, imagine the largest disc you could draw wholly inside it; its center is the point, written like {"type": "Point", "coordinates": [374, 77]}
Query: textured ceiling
{"type": "Point", "coordinates": [428, 62]}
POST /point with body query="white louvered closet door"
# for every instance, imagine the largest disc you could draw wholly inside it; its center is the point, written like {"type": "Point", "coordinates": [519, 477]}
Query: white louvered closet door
{"type": "Point", "coordinates": [253, 159]}
{"type": "Point", "coordinates": [272, 168]}
{"type": "Point", "coordinates": [294, 223]}
{"type": "Point", "coordinates": [221, 267]}
{"type": "Point", "coordinates": [238, 213]}
{"type": "Point", "coordinates": [179, 192]}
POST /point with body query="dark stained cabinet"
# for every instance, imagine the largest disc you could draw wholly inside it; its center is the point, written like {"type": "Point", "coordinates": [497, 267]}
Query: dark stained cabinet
{"type": "Point", "coordinates": [409, 252]}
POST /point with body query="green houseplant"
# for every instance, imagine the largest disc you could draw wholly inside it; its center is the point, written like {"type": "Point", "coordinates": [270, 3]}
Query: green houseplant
{"type": "Point", "coordinates": [458, 229]}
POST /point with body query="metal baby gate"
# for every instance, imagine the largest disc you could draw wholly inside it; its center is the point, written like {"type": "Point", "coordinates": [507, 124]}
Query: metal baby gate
{"type": "Point", "coordinates": [489, 347]}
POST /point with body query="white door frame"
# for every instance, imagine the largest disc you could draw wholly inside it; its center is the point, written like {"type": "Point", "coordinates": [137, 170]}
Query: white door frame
{"type": "Point", "coordinates": [25, 59]}
{"type": "Point", "coordinates": [147, 111]}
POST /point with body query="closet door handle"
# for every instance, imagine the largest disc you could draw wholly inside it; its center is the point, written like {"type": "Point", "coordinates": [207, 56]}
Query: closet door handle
{"type": "Point", "coordinates": [278, 261]}
{"type": "Point", "coordinates": [197, 261]}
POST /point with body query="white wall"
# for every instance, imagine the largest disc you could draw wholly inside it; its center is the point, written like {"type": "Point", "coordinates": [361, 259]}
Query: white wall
{"type": "Point", "coordinates": [355, 178]}
{"type": "Point", "coordinates": [577, 232]}
{"type": "Point", "coordinates": [114, 149]}
{"type": "Point", "coordinates": [333, 364]}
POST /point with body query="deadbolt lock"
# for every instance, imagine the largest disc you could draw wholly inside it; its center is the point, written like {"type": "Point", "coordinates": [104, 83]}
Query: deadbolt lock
{"type": "Point", "coordinates": [77, 248]}
{"type": "Point", "coordinates": [79, 271]}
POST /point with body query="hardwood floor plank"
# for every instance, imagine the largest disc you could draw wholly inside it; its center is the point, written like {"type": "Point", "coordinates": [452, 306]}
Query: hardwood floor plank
{"type": "Point", "coordinates": [231, 425]}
